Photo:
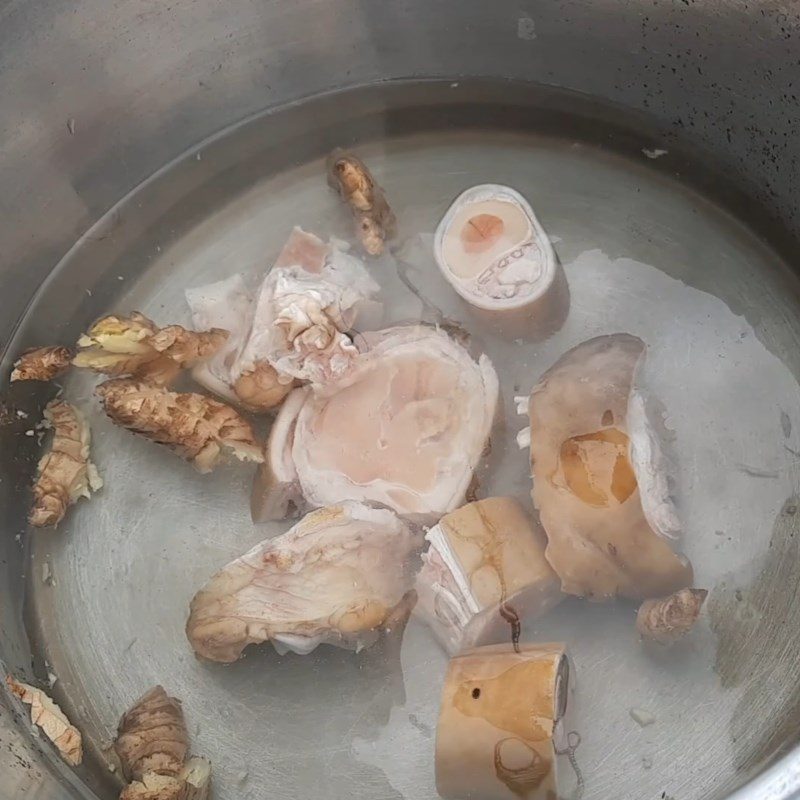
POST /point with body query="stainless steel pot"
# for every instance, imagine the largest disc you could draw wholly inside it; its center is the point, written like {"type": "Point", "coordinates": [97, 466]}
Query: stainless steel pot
{"type": "Point", "coordinates": [96, 96]}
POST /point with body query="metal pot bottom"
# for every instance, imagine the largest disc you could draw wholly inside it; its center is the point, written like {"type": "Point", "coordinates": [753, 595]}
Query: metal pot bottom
{"type": "Point", "coordinates": [643, 252]}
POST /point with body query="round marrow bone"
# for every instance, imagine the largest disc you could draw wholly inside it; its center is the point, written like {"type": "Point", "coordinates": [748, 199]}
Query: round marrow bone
{"type": "Point", "coordinates": [500, 718]}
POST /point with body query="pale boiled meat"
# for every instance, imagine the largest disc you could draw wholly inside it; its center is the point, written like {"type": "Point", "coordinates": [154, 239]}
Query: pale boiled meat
{"type": "Point", "coordinates": [294, 327]}
{"type": "Point", "coordinates": [301, 317]}
{"type": "Point", "coordinates": [334, 578]}
{"type": "Point", "coordinates": [599, 480]}
{"type": "Point", "coordinates": [404, 428]}
{"type": "Point", "coordinates": [226, 304]}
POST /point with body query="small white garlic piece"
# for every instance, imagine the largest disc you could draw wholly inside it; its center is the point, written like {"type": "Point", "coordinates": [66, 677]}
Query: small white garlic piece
{"type": "Point", "coordinates": [493, 251]}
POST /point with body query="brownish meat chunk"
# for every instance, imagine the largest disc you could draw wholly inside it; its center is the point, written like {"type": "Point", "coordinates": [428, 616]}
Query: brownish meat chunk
{"type": "Point", "coordinates": [610, 523]}
{"type": "Point", "coordinates": [485, 571]}
{"type": "Point", "coordinates": [336, 577]}
{"type": "Point", "coordinates": [499, 735]}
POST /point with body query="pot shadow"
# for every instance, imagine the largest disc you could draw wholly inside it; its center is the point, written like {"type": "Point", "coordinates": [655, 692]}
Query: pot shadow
{"type": "Point", "coordinates": [758, 648]}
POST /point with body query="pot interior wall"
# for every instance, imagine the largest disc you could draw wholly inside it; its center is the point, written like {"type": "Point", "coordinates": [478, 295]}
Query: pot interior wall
{"type": "Point", "coordinates": [95, 99]}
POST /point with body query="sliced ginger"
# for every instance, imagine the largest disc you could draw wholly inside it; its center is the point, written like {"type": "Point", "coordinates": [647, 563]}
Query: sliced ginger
{"type": "Point", "coordinates": [196, 427]}
{"type": "Point", "coordinates": [65, 473]}
{"type": "Point", "coordinates": [152, 745]}
{"type": "Point", "coordinates": [51, 719]}
{"type": "Point", "coordinates": [41, 364]}
{"type": "Point", "coordinates": [668, 619]}
{"type": "Point", "coordinates": [136, 346]}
